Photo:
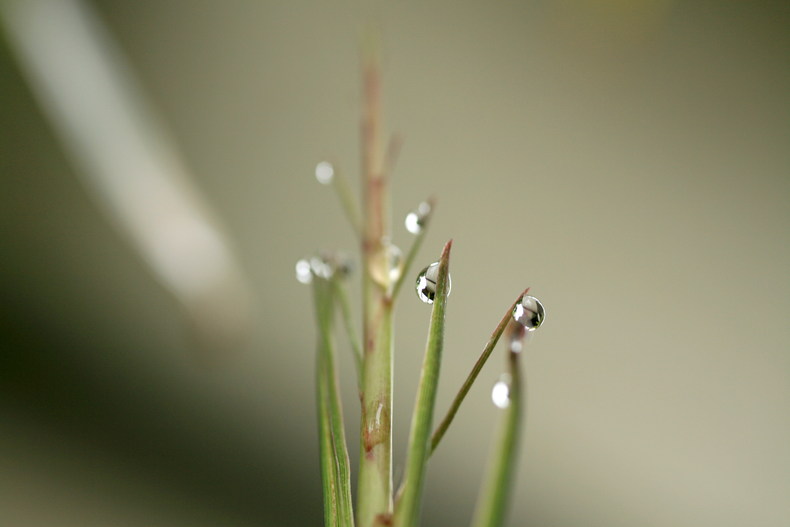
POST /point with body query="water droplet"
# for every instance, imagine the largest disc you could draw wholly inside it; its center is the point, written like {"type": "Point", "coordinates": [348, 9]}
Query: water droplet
{"type": "Point", "coordinates": [417, 219]}
{"type": "Point", "coordinates": [426, 283]}
{"type": "Point", "coordinates": [529, 313]}
{"type": "Point", "coordinates": [387, 264]}
{"type": "Point", "coordinates": [500, 394]}
{"type": "Point", "coordinates": [344, 266]}
{"type": "Point", "coordinates": [303, 273]}
{"type": "Point", "coordinates": [321, 267]}
{"type": "Point", "coordinates": [324, 172]}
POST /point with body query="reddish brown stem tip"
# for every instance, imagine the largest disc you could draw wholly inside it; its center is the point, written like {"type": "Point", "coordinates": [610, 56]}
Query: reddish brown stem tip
{"type": "Point", "coordinates": [446, 250]}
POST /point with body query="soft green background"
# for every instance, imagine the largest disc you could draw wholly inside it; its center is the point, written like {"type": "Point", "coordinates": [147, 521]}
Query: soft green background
{"type": "Point", "coordinates": [628, 160]}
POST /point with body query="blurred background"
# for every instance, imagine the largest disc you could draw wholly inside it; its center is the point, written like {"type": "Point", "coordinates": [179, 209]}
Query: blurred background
{"type": "Point", "coordinates": [627, 160]}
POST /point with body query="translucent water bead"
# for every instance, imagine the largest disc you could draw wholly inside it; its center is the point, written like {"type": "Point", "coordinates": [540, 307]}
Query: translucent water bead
{"type": "Point", "coordinates": [303, 273]}
{"type": "Point", "coordinates": [387, 264]}
{"type": "Point", "coordinates": [325, 266]}
{"type": "Point", "coordinates": [529, 313]}
{"type": "Point", "coordinates": [500, 393]}
{"type": "Point", "coordinates": [417, 219]}
{"type": "Point", "coordinates": [324, 172]}
{"type": "Point", "coordinates": [426, 283]}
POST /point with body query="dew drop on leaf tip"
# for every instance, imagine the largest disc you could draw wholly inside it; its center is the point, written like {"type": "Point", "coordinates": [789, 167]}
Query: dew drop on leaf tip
{"type": "Point", "coordinates": [529, 313]}
{"type": "Point", "coordinates": [418, 218]}
{"type": "Point", "coordinates": [427, 281]}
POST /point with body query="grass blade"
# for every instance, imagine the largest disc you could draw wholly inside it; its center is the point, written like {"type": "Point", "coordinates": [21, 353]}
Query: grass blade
{"type": "Point", "coordinates": [335, 466]}
{"type": "Point", "coordinates": [356, 348]}
{"type": "Point", "coordinates": [347, 200]}
{"type": "Point", "coordinates": [328, 470]}
{"type": "Point", "coordinates": [407, 509]}
{"type": "Point", "coordinates": [470, 379]}
{"type": "Point", "coordinates": [495, 494]}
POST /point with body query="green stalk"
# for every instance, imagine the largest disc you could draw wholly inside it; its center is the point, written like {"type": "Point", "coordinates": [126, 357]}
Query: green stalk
{"type": "Point", "coordinates": [493, 500]}
{"type": "Point", "coordinates": [470, 379]}
{"type": "Point", "coordinates": [374, 503]}
{"type": "Point", "coordinates": [335, 466]}
{"type": "Point", "coordinates": [407, 510]}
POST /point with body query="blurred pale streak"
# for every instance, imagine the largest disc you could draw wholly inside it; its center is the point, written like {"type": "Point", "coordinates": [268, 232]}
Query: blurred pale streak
{"type": "Point", "coordinates": [123, 154]}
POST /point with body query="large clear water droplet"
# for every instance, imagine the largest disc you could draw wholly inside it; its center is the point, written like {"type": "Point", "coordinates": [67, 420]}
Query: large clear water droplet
{"type": "Point", "coordinates": [386, 264]}
{"type": "Point", "coordinates": [427, 281]}
{"type": "Point", "coordinates": [303, 273]}
{"type": "Point", "coordinates": [500, 394]}
{"type": "Point", "coordinates": [529, 313]}
{"type": "Point", "coordinates": [324, 172]}
{"type": "Point", "coordinates": [417, 219]}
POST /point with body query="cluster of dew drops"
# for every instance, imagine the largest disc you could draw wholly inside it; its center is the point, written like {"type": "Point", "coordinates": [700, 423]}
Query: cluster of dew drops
{"type": "Point", "coordinates": [529, 313]}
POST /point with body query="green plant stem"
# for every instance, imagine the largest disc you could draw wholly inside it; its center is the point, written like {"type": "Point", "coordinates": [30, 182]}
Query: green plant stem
{"type": "Point", "coordinates": [492, 503]}
{"type": "Point", "coordinates": [407, 509]}
{"type": "Point", "coordinates": [374, 503]}
{"type": "Point", "coordinates": [470, 379]}
{"type": "Point", "coordinates": [336, 472]}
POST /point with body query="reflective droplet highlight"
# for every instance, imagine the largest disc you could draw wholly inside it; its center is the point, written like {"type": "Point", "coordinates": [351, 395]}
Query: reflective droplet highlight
{"type": "Point", "coordinates": [500, 393]}
{"type": "Point", "coordinates": [386, 265]}
{"type": "Point", "coordinates": [324, 172]}
{"type": "Point", "coordinates": [426, 283]}
{"type": "Point", "coordinates": [303, 273]}
{"type": "Point", "coordinates": [417, 219]}
{"type": "Point", "coordinates": [529, 313]}
{"type": "Point", "coordinates": [325, 265]}
{"type": "Point", "coordinates": [321, 267]}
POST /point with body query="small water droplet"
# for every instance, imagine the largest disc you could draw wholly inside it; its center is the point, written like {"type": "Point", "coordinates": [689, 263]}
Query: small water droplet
{"type": "Point", "coordinates": [387, 264]}
{"type": "Point", "coordinates": [324, 172]}
{"type": "Point", "coordinates": [500, 394]}
{"type": "Point", "coordinates": [303, 273]}
{"type": "Point", "coordinates": [344, 266]}
{"type": "Point", "coordinates": [417, 219]}
{"type": "Point", "coordinates": [321, 267]}
{"type": "Point", "coordinates": [426, 283]}
{"type": "Point", "coordinates": [529, 313]}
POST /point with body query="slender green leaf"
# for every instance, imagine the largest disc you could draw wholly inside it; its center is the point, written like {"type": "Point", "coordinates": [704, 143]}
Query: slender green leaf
{"type": "Point", "coordinates": [336, 472]}
{"type": "Point", "coordinates": [495, 494]}
{"type": "Point", "coordinates": [356, 348]}
{"type": "Point", "coordinates": [349, 203]}
{"type": "Point", "coordinates": [470, 379]}
{"type": "Point", "coordinates": [328, 470]}
{"type": "Point", "coordinates": [407, 510]}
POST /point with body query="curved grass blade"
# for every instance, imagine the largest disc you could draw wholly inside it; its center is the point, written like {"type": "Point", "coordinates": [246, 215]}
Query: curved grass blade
{"type": "Point", "coordinates": [470, 379]}
{"type": "Point", "coordinates": [407, 509]}
{"type": "Point", "coordinates": [492, 503]}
